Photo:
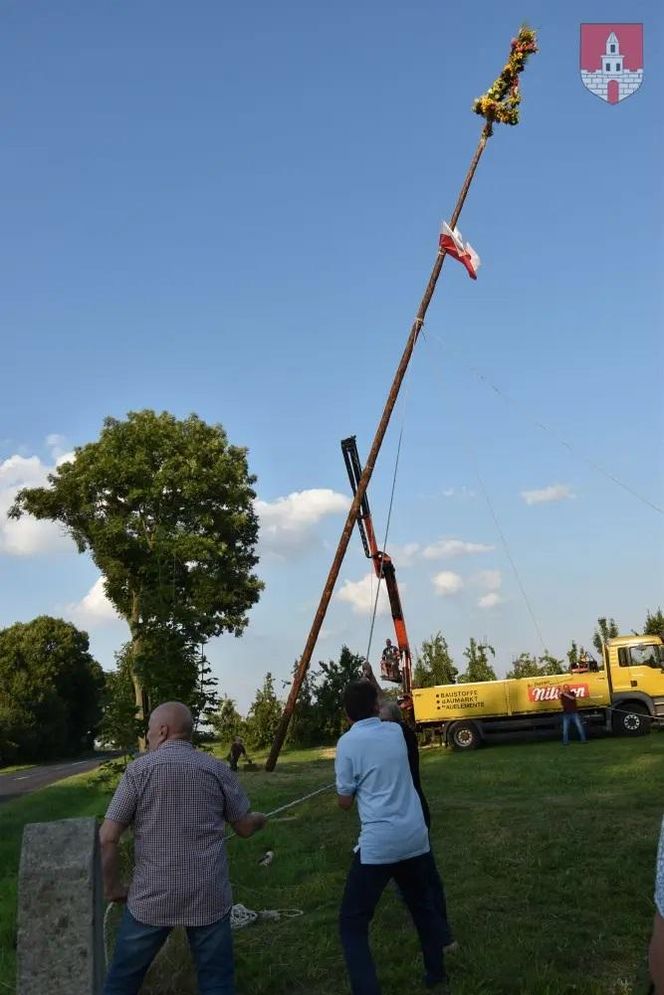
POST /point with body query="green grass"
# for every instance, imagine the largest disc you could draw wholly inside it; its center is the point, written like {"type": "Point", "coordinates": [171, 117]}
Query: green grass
{"type": "Point", "coordinates": [547, 854]}
{"type": "Point", "coordinates": [16, 768]}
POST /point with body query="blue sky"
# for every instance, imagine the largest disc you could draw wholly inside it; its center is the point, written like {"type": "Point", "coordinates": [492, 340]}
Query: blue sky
{"type": "Point", "coordinates": [234, 210]}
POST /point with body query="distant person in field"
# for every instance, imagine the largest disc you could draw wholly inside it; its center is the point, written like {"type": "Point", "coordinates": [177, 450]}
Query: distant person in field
{"type": "Point", "coordinates": [237, 750]}
{"type": "Point", "coordinates": [390, 712]}
{"type": "Point", "coordinates": [656, 952]}
{"type": "Point", "coordinates": [178, 801]}
{"type": "Point", "coordinates": [570, 714]}
{"type": "Point", "coordinates": [372, 768]}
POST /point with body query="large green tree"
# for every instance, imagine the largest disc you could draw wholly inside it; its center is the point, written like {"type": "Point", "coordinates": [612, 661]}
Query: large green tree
{"type": "Point", "coordinates": [434, 664]}
{"type": "Point", "coordinates": [166, 509]}
{"type": "Point", "coordinates": [50, 690]}
{"type": "Point", "coordinates": [478, 667]}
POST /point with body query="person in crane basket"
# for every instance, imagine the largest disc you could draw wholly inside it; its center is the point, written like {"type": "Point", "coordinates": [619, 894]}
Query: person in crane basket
{"type": "Point", "coordinates": [389, 663]}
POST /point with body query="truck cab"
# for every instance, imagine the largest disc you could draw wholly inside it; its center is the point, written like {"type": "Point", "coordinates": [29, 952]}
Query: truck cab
{"type": "Point", "coordinates": [635, 670]}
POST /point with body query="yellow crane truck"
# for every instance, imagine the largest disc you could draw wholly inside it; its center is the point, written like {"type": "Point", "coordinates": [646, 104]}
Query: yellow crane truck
{"type": "Point", "coordinates": [623, 695]}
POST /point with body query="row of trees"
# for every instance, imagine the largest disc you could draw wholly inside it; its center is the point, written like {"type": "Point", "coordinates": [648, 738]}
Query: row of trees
{"type": "Point", "coordinates": [319, 716]}
{"type": "Point", "coordinates": [434, 664]}
{"type": "Point", "coordinates": [55, 699]}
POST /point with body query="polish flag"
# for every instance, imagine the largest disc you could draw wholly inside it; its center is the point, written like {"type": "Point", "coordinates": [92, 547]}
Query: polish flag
{"type": "Point", "coordinates": [454, 245]}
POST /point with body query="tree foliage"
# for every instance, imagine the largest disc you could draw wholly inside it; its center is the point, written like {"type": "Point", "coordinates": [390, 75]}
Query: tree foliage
{"type": "Point", "coordinates": [526, 665]}
{"type": "Point", "coordinates": [319, 715]}
{"type": "Point", "coordinates": [304, 728]}
{"type": "Point", "coordinates": [478, 667]}
{"type": "Point", "coordinates": [264, 714]}
{"type": "Point", "coordinates": [434, 664]}
{"type": "Point", "coordinates": [50, 690]}
{"type": "Point", "coordinates": [333, 677]}
{"type": "Point", "coordinates": [654, 624]}
{"type": "Point", "coordinates": [606, 628]}
{"type": "Point", "coordinates": [120, 726]}
{"type": "Point", "coordinates": [226, 721]}
{"type": "Point", "coordinates": [165, 508]}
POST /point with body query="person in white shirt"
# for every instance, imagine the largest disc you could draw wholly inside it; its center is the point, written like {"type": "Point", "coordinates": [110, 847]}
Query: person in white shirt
{"type": "Point", "coordinates": [372, 768]}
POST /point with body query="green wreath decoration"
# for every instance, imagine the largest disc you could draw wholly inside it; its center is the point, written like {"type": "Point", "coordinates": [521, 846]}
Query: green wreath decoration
{"type": "Point", "coordinates": [501, 101]}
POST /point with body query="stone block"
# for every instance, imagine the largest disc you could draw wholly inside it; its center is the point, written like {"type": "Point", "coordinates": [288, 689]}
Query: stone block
{"type": "Point", "coordinates": [60, 912]}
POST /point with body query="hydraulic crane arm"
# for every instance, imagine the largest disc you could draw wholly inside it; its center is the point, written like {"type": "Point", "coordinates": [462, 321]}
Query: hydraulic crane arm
{"type": "Point", "coordinates": [383, 565]}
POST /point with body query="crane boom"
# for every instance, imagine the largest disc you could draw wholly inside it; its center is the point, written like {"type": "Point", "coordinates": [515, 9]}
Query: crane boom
{"type": "Point", "coordinates": [382, 562]}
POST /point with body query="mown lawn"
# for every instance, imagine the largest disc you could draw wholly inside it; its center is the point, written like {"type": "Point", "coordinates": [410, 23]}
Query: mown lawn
{"type": "Point", "coordinates": [547, 853]}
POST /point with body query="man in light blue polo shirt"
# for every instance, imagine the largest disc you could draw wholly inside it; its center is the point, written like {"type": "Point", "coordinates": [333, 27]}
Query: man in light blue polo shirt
{"type": "Point", "coordinates": [372, 767]}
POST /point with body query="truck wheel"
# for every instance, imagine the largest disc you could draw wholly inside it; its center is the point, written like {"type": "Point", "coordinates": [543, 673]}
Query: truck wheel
{"type": "Point", "coordinates": [631, 719]}
{"type": "Point", "coordinates": [464, 736]}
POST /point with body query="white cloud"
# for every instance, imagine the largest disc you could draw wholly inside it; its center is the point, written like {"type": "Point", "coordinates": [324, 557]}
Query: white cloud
{"type": "Point", "coordinates": [57, 445]}
{"type": "Point", "coordinates": [448, 548]}
{"type": "Point", "coordinates": [554, 492]}
{"type": "Point", "coordinates": [405, 555]}
{"type": "Point", "coordinates": [446, 583]}
{"type": "Point", "coordinates": [94, 608]}
{"type": "Point", "coordinates": [287, 523]}
{"type": "Point", "coordinates": [27, 536]}
{"type": "Point", "coordinates": [460, 492]}
{"type": "Point", "coordinates": [361, 594]}
{"type": "Point", "coordinates": [490, 600]}
{"type": "Point", "coordinates": [491, 580]}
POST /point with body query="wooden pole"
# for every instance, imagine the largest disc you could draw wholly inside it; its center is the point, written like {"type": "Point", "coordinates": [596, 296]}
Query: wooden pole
{"type": "Point", "coordinates": [326, 596]}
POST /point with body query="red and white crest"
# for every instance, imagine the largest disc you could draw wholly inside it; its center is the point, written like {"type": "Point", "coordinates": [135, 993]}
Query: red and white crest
{"type": "Point", "coordinates": [612, 60]}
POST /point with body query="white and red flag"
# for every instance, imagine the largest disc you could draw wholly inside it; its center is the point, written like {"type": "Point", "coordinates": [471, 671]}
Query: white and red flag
{"type": "Point", "coordinates": [454, 245]}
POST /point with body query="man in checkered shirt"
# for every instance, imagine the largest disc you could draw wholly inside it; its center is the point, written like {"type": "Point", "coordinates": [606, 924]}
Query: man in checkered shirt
{"type": "Point", "coordinates": [178, 801]}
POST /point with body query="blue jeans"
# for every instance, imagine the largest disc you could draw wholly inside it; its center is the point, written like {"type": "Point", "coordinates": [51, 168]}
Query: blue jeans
{"type": "Point", "coordinates": [575, 720]}
{"type": "Point", "coordinates": [364, 886]}
{"type": "Point", "coordinates": [137, 945]}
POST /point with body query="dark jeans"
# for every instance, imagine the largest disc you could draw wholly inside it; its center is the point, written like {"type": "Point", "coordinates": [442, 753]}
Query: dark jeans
{"type": "Point", "coordinates": [364, 886]}
{"type": "Point", "coordinates": [574, 719]}
{"type": "Point", "coordinates": [438, 894]}
{"type": "Point", "coordinates": [438, 890]}
{"type": "Point", "coordinates": [137, 945]}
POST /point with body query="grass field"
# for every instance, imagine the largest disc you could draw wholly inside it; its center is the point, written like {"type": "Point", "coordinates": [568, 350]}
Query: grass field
{"type": "Point", "coordinates": [547, 853]}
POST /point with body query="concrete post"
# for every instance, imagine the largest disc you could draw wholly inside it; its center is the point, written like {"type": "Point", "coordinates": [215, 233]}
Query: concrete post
{"type": "Point", "coordinates": [60, 911]}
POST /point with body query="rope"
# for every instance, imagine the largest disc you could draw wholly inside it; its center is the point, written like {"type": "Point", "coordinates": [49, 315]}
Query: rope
{"type": "Point", "coordinates": [511, 560]}
{"type": "Point", "coordinates": [387, 532]}
{"type": "Point", "coordinates": [304, 798]}
{"type": "Point", "coordinates": [503, 538]}
{"type": "Point", "coordinates": [240, 915]}
{"type": "Point", "coordinates": [593, 464]}
{"type": "Point", "coordinates": [389, 515]}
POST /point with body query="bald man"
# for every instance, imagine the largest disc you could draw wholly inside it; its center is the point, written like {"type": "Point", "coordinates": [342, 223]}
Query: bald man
{"type": "Point", "coordinates": [178, 801]}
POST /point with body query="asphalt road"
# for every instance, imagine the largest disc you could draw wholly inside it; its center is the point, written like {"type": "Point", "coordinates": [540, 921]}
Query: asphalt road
{"type": "Point", "coordinates": [22, 782]}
